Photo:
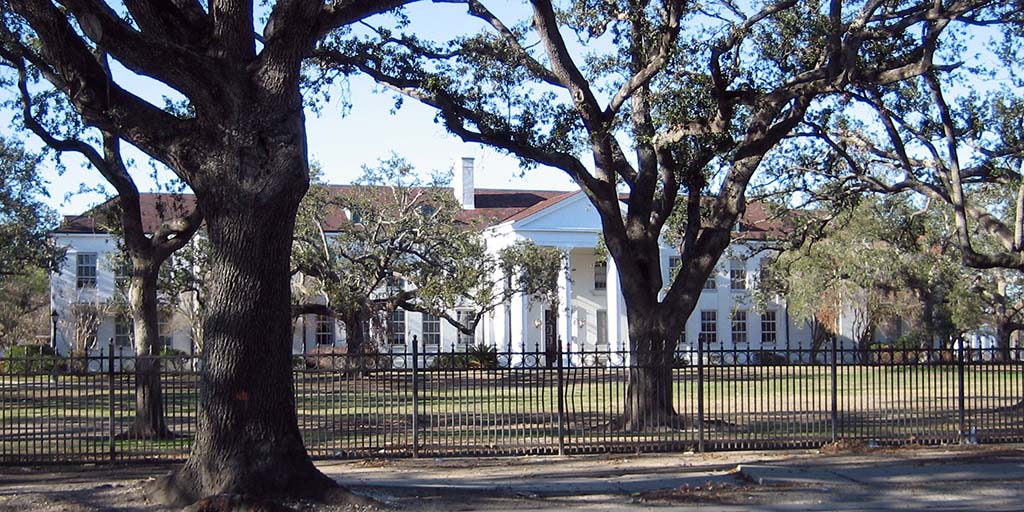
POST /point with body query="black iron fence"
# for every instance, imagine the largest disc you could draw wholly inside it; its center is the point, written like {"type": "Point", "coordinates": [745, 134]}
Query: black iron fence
{"type": "Point", "coordinates": [479, 401]}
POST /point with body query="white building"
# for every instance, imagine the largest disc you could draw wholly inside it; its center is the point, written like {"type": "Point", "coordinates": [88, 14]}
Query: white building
{"type": "Point", "coordinates": [592, 316]}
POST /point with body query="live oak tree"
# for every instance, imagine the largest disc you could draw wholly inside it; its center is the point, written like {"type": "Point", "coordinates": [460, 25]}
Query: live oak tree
{"type": "Point", "coordinates": [954, 138]}
{"type": "Point", "coordinates": [27, 254]}
{"type": "Point", "coordinates": [405, 244]}
{"type": "Point", "coordinates": [45, 115]}
{"type": "Point", "coordinates": [667, 105]}
{"type": "Point", "coordinates": [885, 261]}
{"type": "Point", "coordinates": [237, 139]}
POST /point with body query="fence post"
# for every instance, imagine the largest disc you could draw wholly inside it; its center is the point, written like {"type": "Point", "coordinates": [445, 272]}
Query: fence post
{"type": "Point", "coordinates": [700, 396]}
{"type": "Point", "coordinates": [834, 391]}
{"type": "Point", "coordinates": [561, 399]}
{"type": "Point", "coordinates": [962, 423]}
{"type": "Point", "coordinates": [110, 396]}
{"type": "Point", "coordinates": [415, 397]}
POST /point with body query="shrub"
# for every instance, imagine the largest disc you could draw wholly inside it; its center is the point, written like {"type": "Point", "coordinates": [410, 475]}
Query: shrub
{"type": "Point", "coordinates": [479, 357]}
{"type": "Point", "coordinates": [31, 359]}
{"type": "Point", "coordinates": [170, 351]}
{"type": "Point", "coordinates": [332, 357]}
{"type": "Point", "coordinates": [769, 358]}
{"type": "Point", "coordinates": [173, 358]}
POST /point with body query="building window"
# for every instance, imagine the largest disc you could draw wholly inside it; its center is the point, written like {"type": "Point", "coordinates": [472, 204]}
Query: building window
{"type": "Point", "coordinates": [325, 334]}
{"type": "Point", "coordinates": [431, 330]}
{"type": "Point", "coordinates": [85, 270]}
{"type": "Point", "coordinates": [674, 262]}
{"type": "Point", "coordinates": [739, 326]}
{"type": "Point", "coordinates": [769, 327]}
{"type": "Point", "coordinates": [396, 327]}
{"type": "Point", "coordinates": [163, 331]}
{"type": "Point", "coordinates": [710, 283]}
{"type": "Point", "coordinates": [601, 275]}
{"type": "Point", "coordinates": [602, 329]}
{"type": "Point", "coordinates": [708, 327]}
{"type": "Point", "coordinates": [737, 275]}
{"type": "Point", "coordinates": [122, 331]}
{"type": "Point", "coordinates": [465, 317]}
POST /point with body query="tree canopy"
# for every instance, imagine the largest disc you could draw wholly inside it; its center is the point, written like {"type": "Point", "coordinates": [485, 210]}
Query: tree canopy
{"type": "Point", "coordinates": [670, 106]}
{"type": "Point", "coordinates": [25, 220]}
{"type": "Point", "coordinates": [405, 244]}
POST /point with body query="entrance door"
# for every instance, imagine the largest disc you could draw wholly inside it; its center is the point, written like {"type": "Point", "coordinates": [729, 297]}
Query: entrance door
{"type": "Point", "coordinates": [550, 337]}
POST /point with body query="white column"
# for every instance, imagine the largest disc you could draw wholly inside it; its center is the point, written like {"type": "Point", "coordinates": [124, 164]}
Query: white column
{"type": "Point", "coordinates": [564, 329]}
{"type": "Point", "coordinates": [617, 327]}
{"type": "Point", "coordinates": [518, 317]}
{"type": "Point", "coordinates": [499, 328]}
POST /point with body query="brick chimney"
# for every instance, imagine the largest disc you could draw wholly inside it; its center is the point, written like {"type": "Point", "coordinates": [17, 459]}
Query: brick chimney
{"type": "Point", "coordinates": [462, 185]}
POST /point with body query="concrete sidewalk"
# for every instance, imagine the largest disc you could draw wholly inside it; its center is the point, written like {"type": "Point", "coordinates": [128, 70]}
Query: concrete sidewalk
{"type": "Point", "coordinates": [975, 478]}
{"type": "Point", "coordinates": [937, 479]}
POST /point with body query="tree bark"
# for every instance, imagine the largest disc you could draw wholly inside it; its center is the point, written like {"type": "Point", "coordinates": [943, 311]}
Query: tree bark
{"type": "Point", "coordinates": [649, 394]}
{"type": "Point", "coordinates": [149, 420]}
{"type": "Point", "coordinates": [248, 440]}
{"type": "Point", "coordinates": [353, 321]}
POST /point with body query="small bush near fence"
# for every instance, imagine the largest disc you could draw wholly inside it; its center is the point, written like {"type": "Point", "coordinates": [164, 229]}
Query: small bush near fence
{"type": "Point", "coordinates": [478, 357]}
{"type": "Point", "coordinates": [31, 359]}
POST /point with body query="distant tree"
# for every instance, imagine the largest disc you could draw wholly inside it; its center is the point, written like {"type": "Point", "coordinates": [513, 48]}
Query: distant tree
{"type": "Point", "coordinates": [954, 139]}
{"type": "Point", "coordinates": [674, 104]}
{"type": "Point", "coordinates": [185, 281]}
{"type": "Point", "coordinates": [24, 306]}
{"type": "Point", "coordinates": [25, 221]}
{"type": "Point", "coordinates": [886, 263]}
{"type": "Point", "coordinates": [405, 245]}
{"type": "Point", "coordinates": [83, 312]}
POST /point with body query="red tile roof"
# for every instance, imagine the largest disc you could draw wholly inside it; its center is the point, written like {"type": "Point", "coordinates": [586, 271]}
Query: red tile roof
{"type": "Point", "coordinates": [156, 207]}
{"type": "Point", "coordinates": [493, 206]}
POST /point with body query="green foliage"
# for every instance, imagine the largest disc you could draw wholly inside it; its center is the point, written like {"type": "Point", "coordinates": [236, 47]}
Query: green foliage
{"type": "Point", "coordinates": [25, 221]}
{"type": "Point", "coordinates": [166, 351]}
{"type": "Point", "coordinates": [478, 357]}
{"type": "Point", "coordinates": [30, 360]}
{"type": "Point", "coordinates": [406, 245]}
{"type": "Point", "coordinates": [913, 339]}
{"type": "Point", "coordinates": [891, 263]}
{"type": "Point", "coordinates": [24, 306]}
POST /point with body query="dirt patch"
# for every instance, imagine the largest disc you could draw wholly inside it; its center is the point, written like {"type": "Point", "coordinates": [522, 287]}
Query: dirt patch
{"type": "Point", "coordinates": [709, 492]}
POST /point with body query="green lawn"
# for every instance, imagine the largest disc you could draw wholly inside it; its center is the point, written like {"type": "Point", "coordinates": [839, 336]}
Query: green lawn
{"type": "Point", "coordinates": [503, 409]}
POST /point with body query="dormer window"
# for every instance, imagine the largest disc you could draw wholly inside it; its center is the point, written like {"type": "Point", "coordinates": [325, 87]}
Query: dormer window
{"type": "Point", "coordinates": [601, 275]}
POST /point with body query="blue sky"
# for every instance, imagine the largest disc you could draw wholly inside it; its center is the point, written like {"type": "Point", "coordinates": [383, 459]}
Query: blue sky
{"type": "Point", "coordinates": [367, 133]}
{"type": "Point", "coordinates": [342, 144]}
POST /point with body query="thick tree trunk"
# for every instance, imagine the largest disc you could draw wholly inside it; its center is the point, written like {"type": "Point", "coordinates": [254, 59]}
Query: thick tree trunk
{"type": "Point", "coordinates": [1003, 333]}
{"type": "Point", "coordinates": [649, 396]}
{"type": "Point", "coordinates": [248, 440]}
{"type": "Point", "coordinates": [149, 420]}
{"type": "Point", "coordinates": [353, 333]}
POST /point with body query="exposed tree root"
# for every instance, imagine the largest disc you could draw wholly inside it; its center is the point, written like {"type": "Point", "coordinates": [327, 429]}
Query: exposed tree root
{"type": "Point", "coordinates": [242, 503]}
{"type": "Point", "coordinates": [179, 490]}
{"type": "Point", "coordinates": [148, 433]}
{"type": "Point", "coordinates": [1017, 407]}
{"type": "Point", "coordinates": [668, 423]}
